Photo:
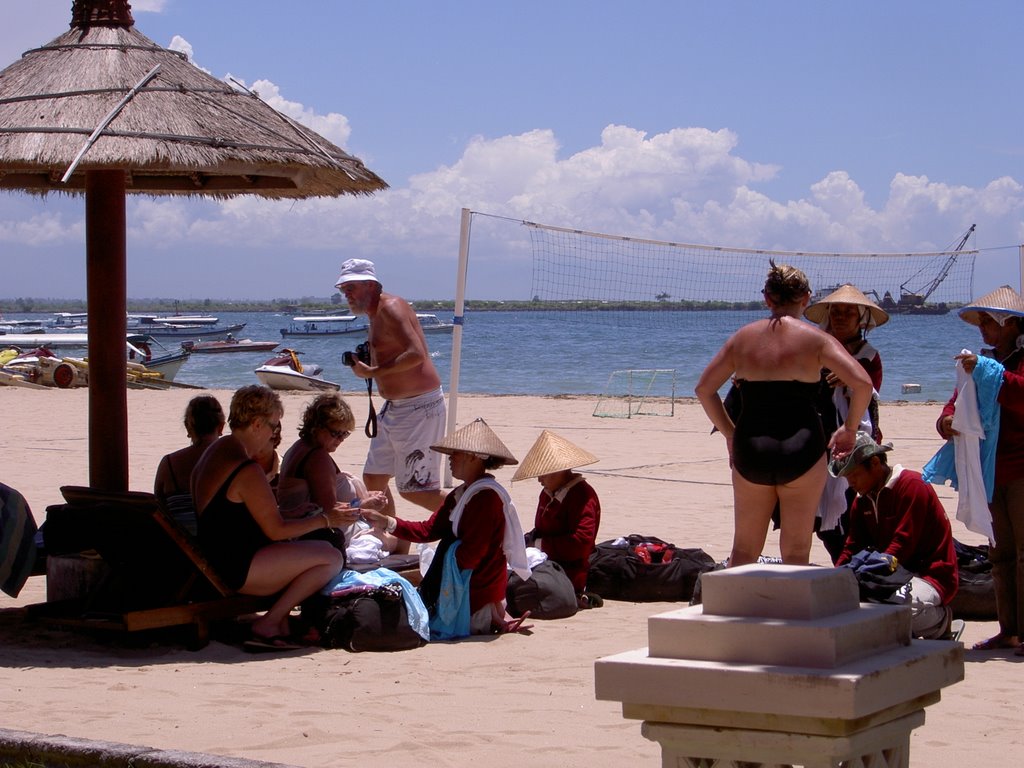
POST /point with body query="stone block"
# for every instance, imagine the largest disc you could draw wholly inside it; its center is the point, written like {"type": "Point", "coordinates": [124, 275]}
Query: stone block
{"type": "Point", "coordinates": [851, 691]}
{"type": "Point", "coordinates": [779, 591]}
{"type": "Point", "coordinates": [825, 642]}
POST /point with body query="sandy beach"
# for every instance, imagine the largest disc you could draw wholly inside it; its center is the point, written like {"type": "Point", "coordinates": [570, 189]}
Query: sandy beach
{"type": "Point", "coordinates": [517, 700]}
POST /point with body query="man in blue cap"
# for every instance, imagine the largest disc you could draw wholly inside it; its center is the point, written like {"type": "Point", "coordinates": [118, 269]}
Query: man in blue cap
{"type": "Point", "coordinates": [899, 515]}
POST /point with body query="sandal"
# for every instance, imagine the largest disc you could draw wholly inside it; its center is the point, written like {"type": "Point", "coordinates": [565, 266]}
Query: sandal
{"type": "Point", "coordinates": [261, 644]}
{"type": "Point", "coordinates": [996, 643]}
{"type": "Point", "coordinates": [515, 625]}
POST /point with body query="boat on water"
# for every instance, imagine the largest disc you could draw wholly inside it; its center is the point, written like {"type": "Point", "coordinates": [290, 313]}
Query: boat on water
{"type": "Point", "coordinates": [343, 325]}
{"type": "Point", "coordinates": [229, 344]}
{"type": "Point", "coordinates": [433, 324]}
{"type": "Point", "coordinates": [136, 320]}
{"type": "Point", "coordinates": [197, 332]}
{"type": "Point", "coordinates": [325, 325]}
{"type": "Point", "coordinates": [916, 302]}
{"type": "Point", "coordinates": [284, 371]}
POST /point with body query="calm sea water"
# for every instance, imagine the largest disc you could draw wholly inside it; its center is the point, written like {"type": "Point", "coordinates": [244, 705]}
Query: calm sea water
{"type": "Point", "coordinates": [574, 353]}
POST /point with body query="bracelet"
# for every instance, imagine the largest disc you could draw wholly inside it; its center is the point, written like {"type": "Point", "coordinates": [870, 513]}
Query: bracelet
{"type": "Point", "coordinates": [327, 520]}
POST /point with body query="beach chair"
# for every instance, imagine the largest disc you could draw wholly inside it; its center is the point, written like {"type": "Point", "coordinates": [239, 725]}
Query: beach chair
{"type": "Point", "coordinates": [154, 575]}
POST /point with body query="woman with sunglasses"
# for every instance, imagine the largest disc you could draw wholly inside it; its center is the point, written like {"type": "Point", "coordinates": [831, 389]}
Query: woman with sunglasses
{"type": "Point", "coordinates": [309, 472]}
{"type": "Point", "coordinates": [240, 529]}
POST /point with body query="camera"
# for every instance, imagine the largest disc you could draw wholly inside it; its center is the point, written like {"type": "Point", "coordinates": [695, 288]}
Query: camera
{"type": "Point", "coordinates": [361, 354]}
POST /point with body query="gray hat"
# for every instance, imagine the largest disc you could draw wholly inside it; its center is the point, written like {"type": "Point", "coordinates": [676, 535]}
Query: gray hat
{"type": "Point", "coordinates": [356, 270]}
{"type": "Point", "coordinates": [864, 447]}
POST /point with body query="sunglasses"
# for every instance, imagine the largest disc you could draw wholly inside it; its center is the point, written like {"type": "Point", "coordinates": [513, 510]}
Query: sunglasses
{"type": "Point", "coordinates": [337, 434]}
{"type": "Point", "coordinates": [275, 426]}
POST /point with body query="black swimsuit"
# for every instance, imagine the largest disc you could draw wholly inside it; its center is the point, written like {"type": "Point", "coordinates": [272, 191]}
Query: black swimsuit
{"type": "Point", "coordinates": [229, 535]}
{"type": "Point", "coordinates": [778, 433]}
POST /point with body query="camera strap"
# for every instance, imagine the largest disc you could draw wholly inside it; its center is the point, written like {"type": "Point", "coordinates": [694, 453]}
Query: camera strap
{"type": "Point", "coordinates": [370, 430]}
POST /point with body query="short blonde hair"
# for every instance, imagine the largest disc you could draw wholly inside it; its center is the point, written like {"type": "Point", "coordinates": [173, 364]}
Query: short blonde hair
{"type": "Point", "coordinates": [251, 403]}
{"type": "Point", "coordinates": [328, 408]}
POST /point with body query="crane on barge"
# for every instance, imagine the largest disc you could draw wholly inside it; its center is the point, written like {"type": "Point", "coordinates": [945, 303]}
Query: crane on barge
{"type": "Point", "coordinates": [913, 302]}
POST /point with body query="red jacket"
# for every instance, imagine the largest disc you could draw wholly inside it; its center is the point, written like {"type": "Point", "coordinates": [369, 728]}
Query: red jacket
{"type": "Point", "coordinates": [567, 529]}
{"type": "Point", "coordinates": [481, 533]}
{"type": "Point", "coordinates": [908, 522]}
{"type": "Point", "coordinates": [1010, 447]}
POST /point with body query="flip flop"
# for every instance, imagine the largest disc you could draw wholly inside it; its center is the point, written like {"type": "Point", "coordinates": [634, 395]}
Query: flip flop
{"type": "Point", "coordinates": [956, 629]}
{"type": "Point", "coordinates": [516, 625]}
{"type": "Point", "coordinates": [994, 643]}
{"type": "Point", "coordinates": [258, 644]}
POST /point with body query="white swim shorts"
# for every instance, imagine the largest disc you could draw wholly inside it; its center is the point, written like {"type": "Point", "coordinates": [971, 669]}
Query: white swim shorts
{"type": "Point", "coordinates": [405, 431]}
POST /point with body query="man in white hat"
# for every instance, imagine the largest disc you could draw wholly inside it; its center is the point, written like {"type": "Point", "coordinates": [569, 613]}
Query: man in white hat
{"type": "Point", "coordinates": [999, 316]}
{"type": "Point", "coordinates": [899, 514]}
{"type": "Point", "coordinates": [413, 418]}
{"type": "Point", "coordinates": [568, 511]}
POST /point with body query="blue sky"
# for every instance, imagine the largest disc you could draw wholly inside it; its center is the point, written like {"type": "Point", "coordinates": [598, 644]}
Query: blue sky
{"type": "Point", "coordinates": [788, 125]}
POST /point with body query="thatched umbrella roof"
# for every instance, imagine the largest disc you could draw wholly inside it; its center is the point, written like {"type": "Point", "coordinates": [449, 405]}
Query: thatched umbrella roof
{"type": "Point", "coordinates": [105, 110]}
{"type": "Point", "coordinates": [182, 132]}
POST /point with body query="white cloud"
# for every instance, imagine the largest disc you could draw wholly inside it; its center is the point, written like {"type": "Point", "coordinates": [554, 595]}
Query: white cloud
{"type": "Point", "coordinates": [148, 6]}
{"type": "Point", "coordinates": [332, 126]}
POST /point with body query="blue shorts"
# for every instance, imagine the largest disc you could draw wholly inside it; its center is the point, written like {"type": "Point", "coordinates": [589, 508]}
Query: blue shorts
{"type": "Point", "coordinates": [406, 429]}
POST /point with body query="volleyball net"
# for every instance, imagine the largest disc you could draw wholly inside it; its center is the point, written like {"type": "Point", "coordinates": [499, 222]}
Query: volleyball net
{"type": "Point", "coordinates": [590, 270]}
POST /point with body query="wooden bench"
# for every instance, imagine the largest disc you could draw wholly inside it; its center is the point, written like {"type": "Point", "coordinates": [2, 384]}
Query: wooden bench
{"type": "Point", "coordinates": [154, 577]}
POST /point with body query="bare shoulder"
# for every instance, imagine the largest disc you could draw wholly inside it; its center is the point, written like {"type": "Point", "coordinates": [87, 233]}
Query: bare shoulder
{"type": "Point", "coordinates": [394, 307]}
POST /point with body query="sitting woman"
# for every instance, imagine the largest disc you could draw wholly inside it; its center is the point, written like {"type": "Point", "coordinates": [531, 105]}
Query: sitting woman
{"type": "Point", "coordinates": [479, 532]}
{"type": "Point", "coordinates": [204, 423]}
{"type": "Point", "coordinates": [241, 530]}
{"type": "Point", "coordinates": [568, 511]}
{"type": "Point", "coordinates": [309, 474]}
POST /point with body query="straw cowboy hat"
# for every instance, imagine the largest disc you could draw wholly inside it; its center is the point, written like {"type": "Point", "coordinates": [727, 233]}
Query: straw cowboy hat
{"type": "Point", "coordinates": [552, 453]}
{"type": "Point", "coordinates": [846, 294]}
{"type": "Point", "coordinates": [477, 438]}
{"type": "Point", "coordinates": [1001, 303]}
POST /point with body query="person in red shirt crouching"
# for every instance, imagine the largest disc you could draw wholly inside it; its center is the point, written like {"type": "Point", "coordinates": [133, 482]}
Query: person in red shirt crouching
{"type": "Point", "coordinates": [898, 514]}
{"type": "Point", "coordinates": [479, 537]}
{"type": "Point", "coordinates": [568, 510]}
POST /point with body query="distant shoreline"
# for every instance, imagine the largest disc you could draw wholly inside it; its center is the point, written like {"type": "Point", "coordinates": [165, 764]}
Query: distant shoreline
{"type": "Point", "coordinates": [327, 306]}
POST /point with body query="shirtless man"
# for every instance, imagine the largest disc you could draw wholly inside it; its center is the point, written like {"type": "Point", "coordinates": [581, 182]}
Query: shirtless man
{"type": "Point", "coordinates": [413, 418]}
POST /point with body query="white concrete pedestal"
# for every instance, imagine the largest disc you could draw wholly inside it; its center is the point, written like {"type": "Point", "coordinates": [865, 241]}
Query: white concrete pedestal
{"type": "Point", "coordinates": [781, 666]}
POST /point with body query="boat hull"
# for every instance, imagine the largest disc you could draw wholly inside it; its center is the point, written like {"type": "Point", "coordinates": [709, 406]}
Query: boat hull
{"type": "Point", "coordinates": [284, 378]}
{"type": "Point", "coordinates": [188, 332]}
{"type": "Point", "coordinates": [243, 345]}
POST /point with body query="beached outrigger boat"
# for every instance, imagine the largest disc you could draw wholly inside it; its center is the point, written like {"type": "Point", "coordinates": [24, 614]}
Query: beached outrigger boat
{"type": "Point", "coordinates": [325, 325]}
{"type": "Point", "coordinates": [284, 371]}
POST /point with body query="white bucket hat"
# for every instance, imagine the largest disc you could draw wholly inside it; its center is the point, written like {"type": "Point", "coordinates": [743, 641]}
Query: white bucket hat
{"type": "Point", "coordinates": [356, 270]}
{"type": "Point", "coordinates": [552, 453]}
{"type": "Point", "coordinates": [477, 438]}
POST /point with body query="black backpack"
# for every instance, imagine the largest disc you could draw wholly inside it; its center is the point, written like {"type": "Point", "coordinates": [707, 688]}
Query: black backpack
{"type": "Point", "coordinates": [547, 594]}
{"type": "Point", "coordinates": [372, 620]}
{"type": "Point", "coordinates": [645, 569]}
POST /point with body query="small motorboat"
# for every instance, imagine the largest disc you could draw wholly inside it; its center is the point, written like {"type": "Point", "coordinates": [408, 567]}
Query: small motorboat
{"type": "Point", "coordinates": [230, 344]}
{"type": "Point", "coordinates": [433, 324]}
{"type": "Point", "coordinates": [284, 371]}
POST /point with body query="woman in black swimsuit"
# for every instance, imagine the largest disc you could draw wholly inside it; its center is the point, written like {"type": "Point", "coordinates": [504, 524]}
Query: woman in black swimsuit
{"type": "Point", "coordinates": [776, 445]}
{"type": "Point", "coordinates": [240, 528]}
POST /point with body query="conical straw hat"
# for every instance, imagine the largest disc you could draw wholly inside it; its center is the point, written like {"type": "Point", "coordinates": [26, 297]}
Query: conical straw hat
{"type": "Point", "coordinates": [1002, 300]}
{"type": "Point", "coordinates": [551, 453]}
{"type": "Point", "coordinates": [476, 437]}
{"type": "Point", "coordinates": [847, 294]}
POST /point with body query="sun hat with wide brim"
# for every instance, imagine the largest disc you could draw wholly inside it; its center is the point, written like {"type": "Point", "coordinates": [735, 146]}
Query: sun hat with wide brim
{"type": "Point", "coordinates": [477, 438]}
{"type": "Point", "coordinates": [1000, 303]}
{"type": "Point", "coordinates": [847, 294]}
{"type": "Point", "coordinates": [552, 453]}
{"type": "Point", "coordinates": [355, 271]}
{"type": "Point", "coordinates": [864, 447]}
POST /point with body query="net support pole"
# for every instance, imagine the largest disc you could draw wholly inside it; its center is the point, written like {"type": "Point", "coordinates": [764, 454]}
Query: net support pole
{"type": "Point", "coordinates": [459, 321]}
{"type": "Point", "coordinates": [1020, 269]}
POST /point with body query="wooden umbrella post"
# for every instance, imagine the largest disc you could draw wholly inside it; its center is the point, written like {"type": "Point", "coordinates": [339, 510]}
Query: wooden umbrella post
{"type": "Point", "coordinates": [106, 292]}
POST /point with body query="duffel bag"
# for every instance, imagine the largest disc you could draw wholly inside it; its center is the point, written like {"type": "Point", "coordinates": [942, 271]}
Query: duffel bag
{"type": "Point", "coordinates": [641, 569]}
{"type": "Point", "coordinates": [547, 594]}
{"type": "Point", "coordinates": [372, 620]}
